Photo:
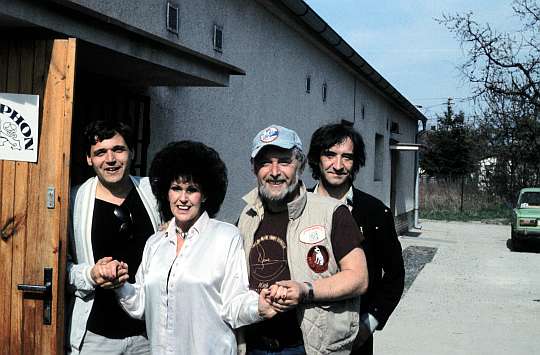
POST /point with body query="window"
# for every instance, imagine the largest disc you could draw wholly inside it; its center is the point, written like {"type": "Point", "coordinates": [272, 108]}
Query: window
{"type": "Point", "coordinates": [308, 84]}
{"type": "Point", "coordinates": [394, 127]}
{"type": "Point", "coordinates": [363, 112]}
{"type": "Point", "coordinates": [172, 17]}
{"type": "Point", "coordinates": [378, 162]}
{"type": "Point", "coordinates": [324, 92]}
{"type": "Point", "coordinates": [218, 38]}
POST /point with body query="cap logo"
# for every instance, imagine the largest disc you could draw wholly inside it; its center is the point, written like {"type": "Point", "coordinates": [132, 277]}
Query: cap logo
{"type": "Point", "coordinates": [317, 259]}
{"type": "Point", "coordinates": [269, 135]}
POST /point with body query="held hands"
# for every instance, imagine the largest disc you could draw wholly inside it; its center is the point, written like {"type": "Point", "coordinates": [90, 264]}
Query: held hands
{"type": "Point", "coordinates": [108, 273]}
{"type": "Point", "coordinates": [286, 295]}
{"type": "Point", "coordinates": [265, 307]}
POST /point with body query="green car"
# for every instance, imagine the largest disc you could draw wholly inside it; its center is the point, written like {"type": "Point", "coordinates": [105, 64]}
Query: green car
{"type": "Point", "coordinates": [525, 217]}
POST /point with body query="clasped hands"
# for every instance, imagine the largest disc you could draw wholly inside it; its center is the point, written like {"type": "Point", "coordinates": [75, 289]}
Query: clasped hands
{"type": "Point", "coordinates": [281, 297]}
{"type": "Point", "coordinates": [278, 298]}
{"type": "Point", "coordinates": [109, 273]}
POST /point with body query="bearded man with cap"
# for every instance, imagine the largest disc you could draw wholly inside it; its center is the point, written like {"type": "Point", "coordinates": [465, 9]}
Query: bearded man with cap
{"type": "Point", "coordinates": [306, 249]}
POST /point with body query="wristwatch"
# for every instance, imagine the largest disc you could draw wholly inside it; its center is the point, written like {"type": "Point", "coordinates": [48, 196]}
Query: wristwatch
{"type": "Point", "coordinates": [308, 298]}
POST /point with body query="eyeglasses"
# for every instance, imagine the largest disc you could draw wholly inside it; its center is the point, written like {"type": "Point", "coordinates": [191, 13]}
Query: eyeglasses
{"type": "Point", "coordinates": [126, 219]}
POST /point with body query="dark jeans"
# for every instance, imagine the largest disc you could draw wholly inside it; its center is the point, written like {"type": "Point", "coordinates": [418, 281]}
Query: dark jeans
{"type": "Point", "coordinates": [297, 350]}
{"type": "Point", "coordinates": [365, 349]}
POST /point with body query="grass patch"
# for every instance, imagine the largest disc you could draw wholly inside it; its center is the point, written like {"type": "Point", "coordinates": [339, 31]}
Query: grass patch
{"type": "Point", "coordinates": [497, 215]}
{"type": "Point", "coordinates": [441, 200]}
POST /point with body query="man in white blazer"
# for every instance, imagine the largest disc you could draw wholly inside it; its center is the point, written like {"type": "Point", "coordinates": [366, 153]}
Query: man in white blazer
{"type": "Point", "coordinates": [112, 215]}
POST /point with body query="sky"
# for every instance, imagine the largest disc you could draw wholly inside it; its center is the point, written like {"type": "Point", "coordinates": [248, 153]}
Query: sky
{"type": "Point", "coordinates": [404, 43]}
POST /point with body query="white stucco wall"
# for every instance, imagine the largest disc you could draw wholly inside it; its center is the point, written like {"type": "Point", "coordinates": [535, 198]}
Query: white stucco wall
{"type": "Point", "coordinates": [277, 57]}
{"type": "Point", "coordinates": [195, 22]}
{"type": "Point", "coordinates": [277, 60]}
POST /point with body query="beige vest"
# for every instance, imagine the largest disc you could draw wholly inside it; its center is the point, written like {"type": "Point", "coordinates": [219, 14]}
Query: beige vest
{"type": "Point", "coordinates": [330, 327]}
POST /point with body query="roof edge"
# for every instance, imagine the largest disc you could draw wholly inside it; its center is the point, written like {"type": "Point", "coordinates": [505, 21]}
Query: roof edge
{"type": "Point", "coordinates": [232, 70]}
{"type": "Point", "coordinates": [333, 40]}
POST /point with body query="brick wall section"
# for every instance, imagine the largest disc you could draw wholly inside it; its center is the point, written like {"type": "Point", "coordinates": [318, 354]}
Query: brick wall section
{"type": "Point", "coordinates": [404, 221]}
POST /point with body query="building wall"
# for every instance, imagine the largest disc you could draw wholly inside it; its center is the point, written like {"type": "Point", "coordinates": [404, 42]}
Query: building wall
{"type": "Point", "coordinates": [277, 57]}
{"type": "Point", "coordinates": [277, 60]}
{"type": "Point", "coordinates": [195, 25]}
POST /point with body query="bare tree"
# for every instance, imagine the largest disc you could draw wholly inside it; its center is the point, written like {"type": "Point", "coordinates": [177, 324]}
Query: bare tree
{"type": "Point", "coordinates": [512, 138]}
{"type": "Point", "coordinates": [501, 63]}
{"type": "Point", "coordinates": [504, 70]}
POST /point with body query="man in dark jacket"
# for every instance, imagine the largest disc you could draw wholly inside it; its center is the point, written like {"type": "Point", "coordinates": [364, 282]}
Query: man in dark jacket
{"type": "Point", "coordinates": [335, 155]}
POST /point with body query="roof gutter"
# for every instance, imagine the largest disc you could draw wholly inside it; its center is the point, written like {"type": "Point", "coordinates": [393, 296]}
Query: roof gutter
{"type": "Point", "coordinates": [310, 18]}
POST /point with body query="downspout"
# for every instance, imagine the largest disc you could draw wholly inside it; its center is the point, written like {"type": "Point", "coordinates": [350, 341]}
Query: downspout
{"type": "Point", "coordinates": [416, 189]}
{"type": "Point", "coordinates": [417, 178]}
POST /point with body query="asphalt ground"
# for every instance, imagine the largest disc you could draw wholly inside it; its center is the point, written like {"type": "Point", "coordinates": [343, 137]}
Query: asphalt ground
{"type": "Point", "coordinates": [466, 293]}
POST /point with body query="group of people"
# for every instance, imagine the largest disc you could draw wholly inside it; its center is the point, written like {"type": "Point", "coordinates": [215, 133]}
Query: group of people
{"type": "Point", "coordinates": [304, 271]}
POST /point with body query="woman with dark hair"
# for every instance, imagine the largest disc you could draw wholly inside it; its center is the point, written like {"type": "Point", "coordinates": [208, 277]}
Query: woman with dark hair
{"type": "Point", "coordinates": [192, 286]}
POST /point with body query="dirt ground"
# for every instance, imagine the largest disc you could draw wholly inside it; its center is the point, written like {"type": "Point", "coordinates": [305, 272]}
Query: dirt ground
{"type": "Point", "coordinates": [468, 293]}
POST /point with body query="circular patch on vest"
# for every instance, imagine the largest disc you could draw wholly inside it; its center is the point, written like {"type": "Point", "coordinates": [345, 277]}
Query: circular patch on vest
{"type": "Point", "coordinates": [317, 259]}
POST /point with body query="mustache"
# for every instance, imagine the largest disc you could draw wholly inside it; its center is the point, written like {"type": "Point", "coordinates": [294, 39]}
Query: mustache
{"type": "Point", "coordinates": [339, 172]}
{"type": "Point", "coordinates": [278, 180]}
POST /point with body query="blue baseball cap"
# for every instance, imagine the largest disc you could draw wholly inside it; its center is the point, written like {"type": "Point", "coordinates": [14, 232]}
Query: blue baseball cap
{"type": "Point", "coordinates": [277, 136]}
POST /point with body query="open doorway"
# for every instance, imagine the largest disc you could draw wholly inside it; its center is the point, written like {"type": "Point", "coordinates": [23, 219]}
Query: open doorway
{"type": "Point", "coordinates": [102, 98]}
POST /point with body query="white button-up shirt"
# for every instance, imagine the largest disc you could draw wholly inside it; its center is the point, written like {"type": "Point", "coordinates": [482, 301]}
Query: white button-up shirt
{"type": "Point", "coordinates": [191, 302]}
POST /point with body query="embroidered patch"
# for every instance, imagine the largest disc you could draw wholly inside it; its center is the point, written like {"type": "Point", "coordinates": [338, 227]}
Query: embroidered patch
{"type": "Point", "coordinates": [269, 135]}
{"type": "Point", "coordinates": [317, 259]}
{"type": "Point", "coordinates": [313, 234]}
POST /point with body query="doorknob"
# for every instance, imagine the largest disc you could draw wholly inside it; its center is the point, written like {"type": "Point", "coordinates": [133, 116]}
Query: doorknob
{"type": "Point", "coordinates": [43, 291]}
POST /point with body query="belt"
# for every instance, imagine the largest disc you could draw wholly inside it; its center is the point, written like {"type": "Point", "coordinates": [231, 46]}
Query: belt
{"type": "Point", "coordinates": [271, 344]}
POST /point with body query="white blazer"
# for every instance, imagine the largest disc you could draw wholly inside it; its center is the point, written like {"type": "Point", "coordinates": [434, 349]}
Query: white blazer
{"type": "Point", "coordinates": [81, 256]}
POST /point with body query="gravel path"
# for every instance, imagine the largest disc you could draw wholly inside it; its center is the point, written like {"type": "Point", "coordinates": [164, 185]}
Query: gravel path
{"type": "Point", "coordinates": [467, 294]}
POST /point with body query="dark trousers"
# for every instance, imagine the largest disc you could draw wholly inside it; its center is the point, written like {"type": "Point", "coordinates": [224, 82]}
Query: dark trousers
{"type": "Point", "coordinates": [296, 350]}
{"type": "Point", "coordinates": [364, 349]}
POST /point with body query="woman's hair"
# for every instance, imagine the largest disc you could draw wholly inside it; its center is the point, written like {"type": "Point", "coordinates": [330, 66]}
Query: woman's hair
{"type": "Point", "coordinates": [193, 162]}
{"type": "Point", "coordinates": [326, 137]}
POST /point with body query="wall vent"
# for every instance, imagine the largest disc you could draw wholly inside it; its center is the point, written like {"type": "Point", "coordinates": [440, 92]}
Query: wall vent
{"type": "Point", "coordinates": [218, 38]}
{"type": "Point", "coordinates": [173, 15]}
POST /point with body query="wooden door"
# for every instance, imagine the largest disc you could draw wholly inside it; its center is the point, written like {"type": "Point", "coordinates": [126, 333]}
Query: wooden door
{"type": "Point", "coordinates": [34, 235]}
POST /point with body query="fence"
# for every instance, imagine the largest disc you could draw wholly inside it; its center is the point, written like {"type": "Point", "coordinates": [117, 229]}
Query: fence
{"type": "Point", "coordinates": [458, 199]}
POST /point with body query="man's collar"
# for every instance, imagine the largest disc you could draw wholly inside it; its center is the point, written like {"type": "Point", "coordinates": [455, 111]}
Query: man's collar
{"type": "Point", "coordinates": [295, 207]}
{"type": "Point", "coordinates": [347, 199]}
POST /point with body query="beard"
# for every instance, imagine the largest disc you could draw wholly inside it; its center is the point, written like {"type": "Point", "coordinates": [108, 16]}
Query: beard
{"type": "Point", "coordinates": [267, 195]}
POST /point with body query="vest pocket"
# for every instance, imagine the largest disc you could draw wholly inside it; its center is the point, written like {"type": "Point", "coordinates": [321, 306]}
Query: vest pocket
{"type": "Point", "coordinates": [342, 318]}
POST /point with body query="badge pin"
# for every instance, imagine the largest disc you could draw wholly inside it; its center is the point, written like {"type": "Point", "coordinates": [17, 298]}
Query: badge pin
{"type": "Point", "coordinates": [313, 234]}
{"type": "Point", "coordinates": [318, 258]}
